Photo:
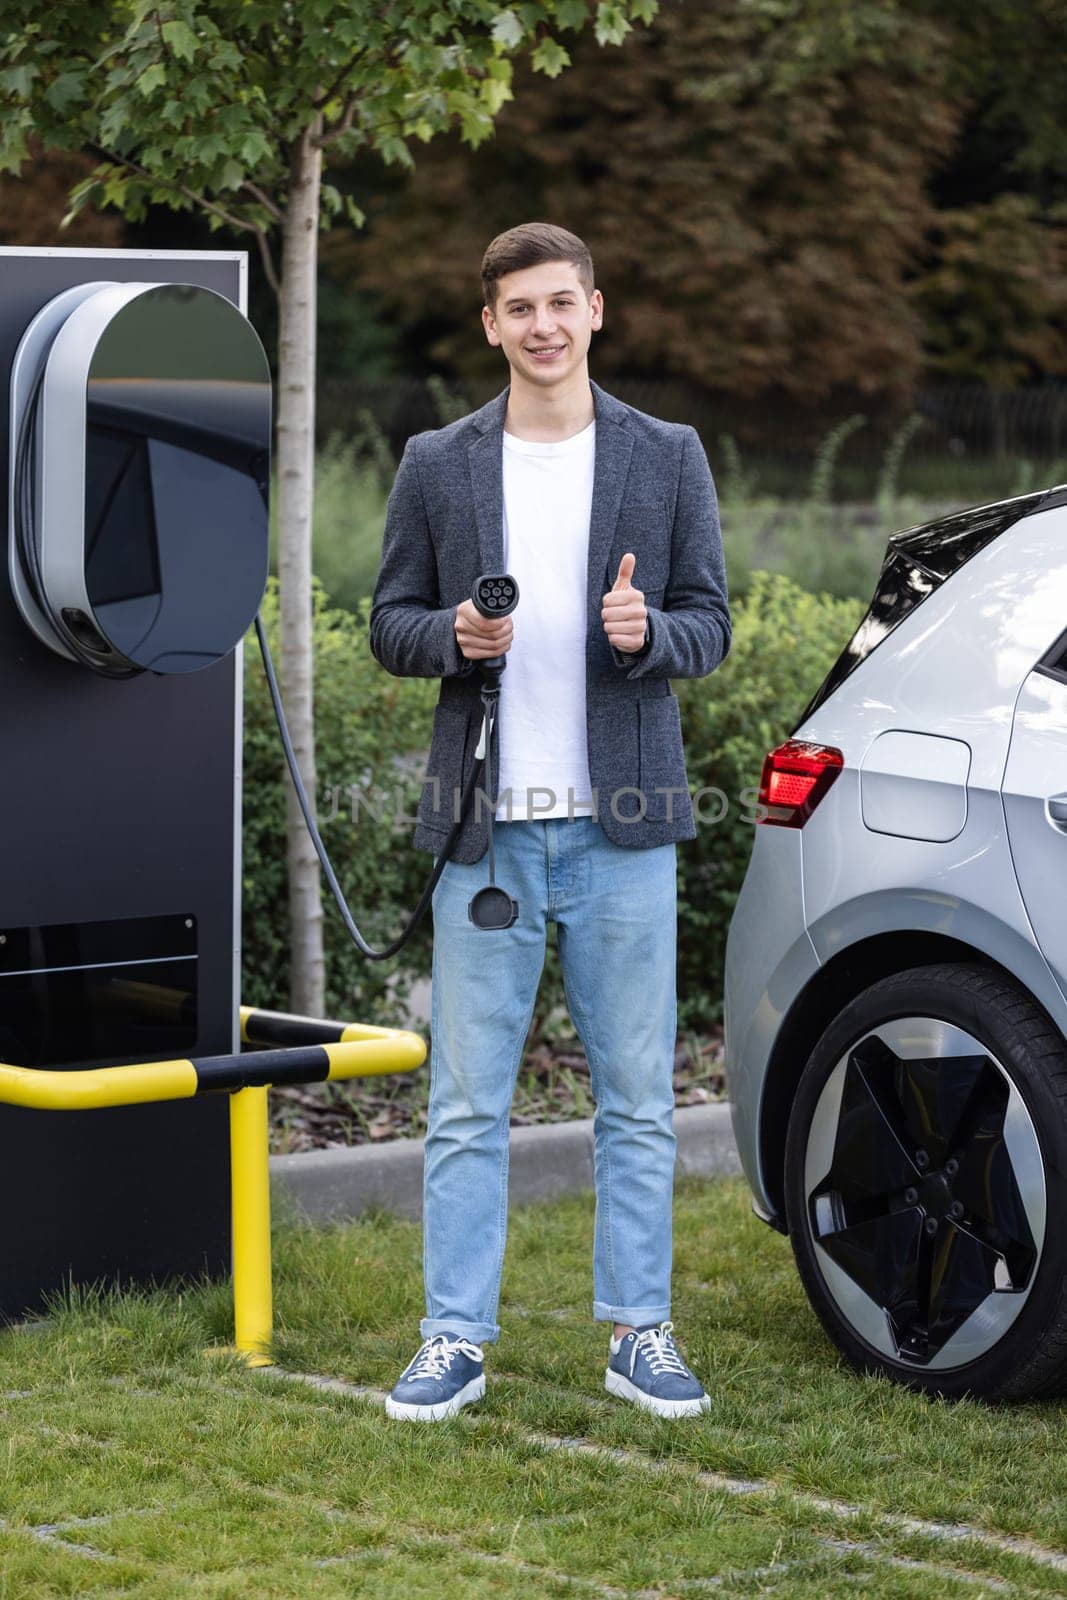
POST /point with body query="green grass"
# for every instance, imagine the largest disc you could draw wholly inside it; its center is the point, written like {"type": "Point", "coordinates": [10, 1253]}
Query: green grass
{"type": "Point", "coordinates": [925, 474]}
{"type": "Point", "coordinates": [136, 1467]}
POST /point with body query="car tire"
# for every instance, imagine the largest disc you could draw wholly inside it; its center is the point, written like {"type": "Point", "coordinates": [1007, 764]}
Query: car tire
{"type": "Point", "coordinates": [926, 1180]}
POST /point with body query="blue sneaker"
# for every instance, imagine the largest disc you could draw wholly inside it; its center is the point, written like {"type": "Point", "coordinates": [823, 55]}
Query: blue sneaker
{"type": "Point", "coordinates": [446, 1375]}
{"type": "Point", "coordinates": [645, 1367]}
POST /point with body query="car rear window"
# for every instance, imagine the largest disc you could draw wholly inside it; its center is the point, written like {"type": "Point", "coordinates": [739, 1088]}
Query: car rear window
{"type": "Point", "coordinates": [917, 561]}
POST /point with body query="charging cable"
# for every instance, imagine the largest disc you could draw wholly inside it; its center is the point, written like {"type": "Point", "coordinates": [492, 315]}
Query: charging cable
{"type": "Point", "coordinates": [492, 907]}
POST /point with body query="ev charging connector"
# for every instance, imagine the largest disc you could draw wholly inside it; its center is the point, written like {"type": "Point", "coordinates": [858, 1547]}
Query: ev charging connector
{"type": "Point", "coordinates": [494, 595]}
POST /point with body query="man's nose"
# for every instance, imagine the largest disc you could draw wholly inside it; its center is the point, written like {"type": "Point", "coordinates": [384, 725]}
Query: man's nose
{"type": "Point", "coordinates": [544, 321]}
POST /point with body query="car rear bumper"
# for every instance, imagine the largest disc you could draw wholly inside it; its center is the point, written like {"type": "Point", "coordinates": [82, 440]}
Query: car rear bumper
{"type": "Point", "coordinates": [769, 959]}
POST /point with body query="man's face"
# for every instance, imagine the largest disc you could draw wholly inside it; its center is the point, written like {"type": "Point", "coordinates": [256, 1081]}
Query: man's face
{"type": "Point", "coordinates": [543, 322]}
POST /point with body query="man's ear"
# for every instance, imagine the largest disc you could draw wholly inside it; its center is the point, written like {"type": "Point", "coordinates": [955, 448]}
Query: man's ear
{"type": "Point", "coordinates": [489, 324]}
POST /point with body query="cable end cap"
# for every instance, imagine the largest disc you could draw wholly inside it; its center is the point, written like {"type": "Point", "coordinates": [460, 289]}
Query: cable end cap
{"type": "Point", "coordinates": [492, 907]}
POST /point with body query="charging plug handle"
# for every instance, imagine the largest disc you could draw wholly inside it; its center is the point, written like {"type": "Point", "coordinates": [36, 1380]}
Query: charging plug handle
{"type": "Point", "coordinates": [495, 594]}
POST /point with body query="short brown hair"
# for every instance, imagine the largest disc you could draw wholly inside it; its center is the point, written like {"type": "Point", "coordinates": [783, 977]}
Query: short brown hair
{"type": "Point", "coordinates": [527, 246]}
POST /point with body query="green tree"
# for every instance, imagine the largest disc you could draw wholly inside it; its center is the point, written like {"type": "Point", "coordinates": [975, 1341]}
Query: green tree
{"type": "Point", "coordinates": [232, 108]}
{"type": "Point", "coordinates": [991, 289]}
{"type": "Point", "coordinates": [802, 203]}
{"type": "Point", "coordinates": [994, 299]}
{"type": "Point", "coordinates": [1005, 66]}
{"type": "Point", "coordinates": [752, 177]}
{"type": "Point", "coordinates": [31, 213]}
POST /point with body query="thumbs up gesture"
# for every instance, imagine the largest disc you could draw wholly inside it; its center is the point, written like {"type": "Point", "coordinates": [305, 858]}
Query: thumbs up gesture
{"type": "Point", "coordinates": [623, 610]}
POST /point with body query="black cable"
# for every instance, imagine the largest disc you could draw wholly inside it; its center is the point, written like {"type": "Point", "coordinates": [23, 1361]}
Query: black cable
{"type": "Point", "coordinates": [320, 848]}
{"type": "Point", "coordinates": [492, 863]}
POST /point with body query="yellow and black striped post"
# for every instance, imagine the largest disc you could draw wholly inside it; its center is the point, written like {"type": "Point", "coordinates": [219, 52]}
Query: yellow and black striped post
{"type": "Point", "coordinates": [312, 1052]}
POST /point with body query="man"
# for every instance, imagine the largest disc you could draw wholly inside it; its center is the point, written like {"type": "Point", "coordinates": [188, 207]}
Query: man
{"type": "Point", "coordinates": [581, 499]}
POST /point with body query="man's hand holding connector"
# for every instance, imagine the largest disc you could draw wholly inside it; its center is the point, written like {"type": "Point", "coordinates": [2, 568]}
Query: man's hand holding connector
{"type": "Point", "coordinates": [480, 638]}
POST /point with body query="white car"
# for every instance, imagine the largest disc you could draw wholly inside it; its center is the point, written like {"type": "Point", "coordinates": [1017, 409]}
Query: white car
{"type": "Point", "coordinates": [896, 967]}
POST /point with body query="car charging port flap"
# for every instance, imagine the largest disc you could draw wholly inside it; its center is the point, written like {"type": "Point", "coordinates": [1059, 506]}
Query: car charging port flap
{"type": "Point", "coordinates": [795, 777]}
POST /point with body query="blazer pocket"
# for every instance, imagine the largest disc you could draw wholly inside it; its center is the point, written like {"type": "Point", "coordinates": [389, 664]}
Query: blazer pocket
{"type": "Point", "coordinates": [445, 766]}
{"type": "Point", "coordinates": [662, 757]}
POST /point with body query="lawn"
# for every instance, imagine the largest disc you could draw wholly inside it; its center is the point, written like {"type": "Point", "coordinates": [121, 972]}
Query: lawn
{"type": "Point", "coordinates": [135, 1466]}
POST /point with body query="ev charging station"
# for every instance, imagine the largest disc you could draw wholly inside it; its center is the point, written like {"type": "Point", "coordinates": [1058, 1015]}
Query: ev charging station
{"type": "Point", "coordinates": [135, 430]}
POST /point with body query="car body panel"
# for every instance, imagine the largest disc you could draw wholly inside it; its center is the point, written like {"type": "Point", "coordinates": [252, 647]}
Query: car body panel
{"type": "Point", "coordinates": [954, 666]}
{"type": "Point", "coordinates": [1037, 774]}
{"type": "Point", "coordinates": [758, 992]}
{"type": "Point", "coordinates": [855, 888]}
{"type": "Point", "coordinates": [943, 684]}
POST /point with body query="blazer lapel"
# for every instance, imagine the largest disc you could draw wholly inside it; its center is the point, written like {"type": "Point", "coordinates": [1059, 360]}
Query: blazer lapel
{"type": "Point", "coordinates": [614, 444]}
{"type": "Point", "coordinates": [484, 456]}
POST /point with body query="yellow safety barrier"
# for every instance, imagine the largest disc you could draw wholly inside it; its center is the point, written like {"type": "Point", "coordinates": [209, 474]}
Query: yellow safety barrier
{"type": "Point", "coordinates": [313, 1051]}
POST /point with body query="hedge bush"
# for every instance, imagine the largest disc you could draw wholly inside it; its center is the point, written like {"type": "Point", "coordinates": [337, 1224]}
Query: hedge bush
{"type": "Point", "coordinates": [372, 732]}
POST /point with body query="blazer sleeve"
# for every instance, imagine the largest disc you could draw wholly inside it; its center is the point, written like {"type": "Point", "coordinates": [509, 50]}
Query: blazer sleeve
{"type": "Point", "coordinates": [411, 634]}
{"type": "Point", "coordinates": [691, 633]}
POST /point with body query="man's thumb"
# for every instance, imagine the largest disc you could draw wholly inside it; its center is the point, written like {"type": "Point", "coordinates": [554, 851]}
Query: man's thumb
{"type": "Point", "coordinates": [626, 572]}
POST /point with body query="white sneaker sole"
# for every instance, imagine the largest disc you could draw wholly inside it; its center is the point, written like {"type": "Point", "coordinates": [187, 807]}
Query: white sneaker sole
{"type": "Point", "coordinates": [444, 1408]}
{"type": "Point", "coordinates": [623, 1389]}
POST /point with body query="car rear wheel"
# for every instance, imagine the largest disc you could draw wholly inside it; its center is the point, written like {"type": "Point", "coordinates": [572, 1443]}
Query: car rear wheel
{"type": "Point", "coordinates": [926, 1180]}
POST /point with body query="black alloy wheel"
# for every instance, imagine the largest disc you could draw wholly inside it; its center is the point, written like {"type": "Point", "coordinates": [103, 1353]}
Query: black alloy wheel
{"type": "Point", "coordinates": [926, 1176]}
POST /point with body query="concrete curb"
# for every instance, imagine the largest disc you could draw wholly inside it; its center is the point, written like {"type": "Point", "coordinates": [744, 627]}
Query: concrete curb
{"type": "Point", "coordinates": [553, 1159]}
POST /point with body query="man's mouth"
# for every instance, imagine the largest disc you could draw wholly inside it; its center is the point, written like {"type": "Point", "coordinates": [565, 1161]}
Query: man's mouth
{"type": "Point", "coordinates": [545, 352]}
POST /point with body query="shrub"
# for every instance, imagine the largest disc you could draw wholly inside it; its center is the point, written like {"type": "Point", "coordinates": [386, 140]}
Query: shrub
{"type": "Point", "coordinates": [353, 475]}
{"type": "Point", "coordinates": [371, 732]}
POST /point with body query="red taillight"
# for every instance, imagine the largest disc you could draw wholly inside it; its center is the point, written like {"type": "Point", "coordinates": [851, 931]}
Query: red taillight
{"type": "Point", "coordinates": [795, 777]}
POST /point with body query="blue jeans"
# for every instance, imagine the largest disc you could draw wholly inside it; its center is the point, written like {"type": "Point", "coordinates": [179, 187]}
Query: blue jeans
{"type": "Point", "coordinates": [616, 916]}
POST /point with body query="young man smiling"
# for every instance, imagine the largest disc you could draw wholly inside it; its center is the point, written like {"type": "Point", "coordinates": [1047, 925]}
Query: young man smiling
{"type": "Point", "coordinates": [581, 498]}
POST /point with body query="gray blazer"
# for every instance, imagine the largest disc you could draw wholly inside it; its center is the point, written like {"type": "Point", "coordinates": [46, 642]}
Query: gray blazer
{"type": "Point", "coordinates": [652, 494]}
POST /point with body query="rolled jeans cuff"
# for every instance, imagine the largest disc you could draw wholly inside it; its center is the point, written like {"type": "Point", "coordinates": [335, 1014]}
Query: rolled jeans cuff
{"type": "Point", "coordinates": [476, 1332]}
{"type": "Point", "coordinates": [636, 1316]}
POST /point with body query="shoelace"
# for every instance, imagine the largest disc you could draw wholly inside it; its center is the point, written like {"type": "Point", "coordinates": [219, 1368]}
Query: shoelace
{"type": "Point", "coordinates": [658, 1347]}
{"type": "Point", "coordinates": [436, 1356]}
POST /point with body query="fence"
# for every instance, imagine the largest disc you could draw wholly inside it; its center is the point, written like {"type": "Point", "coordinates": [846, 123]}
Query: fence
{"type": "Point", "coordinates": [963, 421]}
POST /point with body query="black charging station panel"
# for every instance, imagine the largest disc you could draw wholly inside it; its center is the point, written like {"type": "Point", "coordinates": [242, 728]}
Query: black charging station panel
{"type": "Point", "coordinates": [119, 905]}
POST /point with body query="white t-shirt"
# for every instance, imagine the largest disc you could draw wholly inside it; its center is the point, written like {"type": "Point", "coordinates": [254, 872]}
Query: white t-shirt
{"type": "Point", "coordinates": [548, 497]}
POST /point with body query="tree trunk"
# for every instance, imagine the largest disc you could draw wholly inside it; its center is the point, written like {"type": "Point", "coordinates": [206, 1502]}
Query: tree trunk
{"type": "Point", "coordinates": [296, 467]}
